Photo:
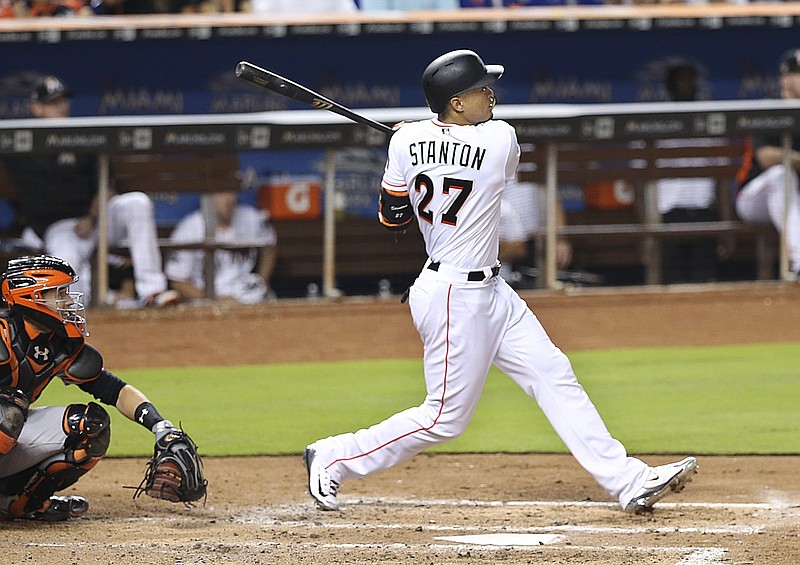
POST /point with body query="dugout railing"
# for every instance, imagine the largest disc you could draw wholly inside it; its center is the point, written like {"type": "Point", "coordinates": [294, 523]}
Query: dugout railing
{"type": "Point", "coordinates": [546, 126]}
{"type": "Point", "coordinates": [638, 166]}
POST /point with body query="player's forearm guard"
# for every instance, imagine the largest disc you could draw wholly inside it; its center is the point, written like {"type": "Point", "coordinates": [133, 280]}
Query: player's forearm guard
{"type": "Point", "coordinates": [395, 211]}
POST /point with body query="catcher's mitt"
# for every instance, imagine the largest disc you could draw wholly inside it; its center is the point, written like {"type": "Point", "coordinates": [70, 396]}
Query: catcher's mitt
{"type": "Point", "coordinates": [175, 472]}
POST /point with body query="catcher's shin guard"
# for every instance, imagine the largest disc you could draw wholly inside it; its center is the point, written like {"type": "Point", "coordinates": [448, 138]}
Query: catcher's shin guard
{"type": "Point", "coordinates": [88, 437]}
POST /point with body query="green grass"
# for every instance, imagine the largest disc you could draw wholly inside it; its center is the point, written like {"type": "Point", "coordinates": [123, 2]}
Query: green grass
{"type": "Point", "coordinates": [712, 400]}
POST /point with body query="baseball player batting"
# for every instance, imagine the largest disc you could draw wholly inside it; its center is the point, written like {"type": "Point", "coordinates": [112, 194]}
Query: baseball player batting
{"type": "Point", "coordinates": [449, 172]}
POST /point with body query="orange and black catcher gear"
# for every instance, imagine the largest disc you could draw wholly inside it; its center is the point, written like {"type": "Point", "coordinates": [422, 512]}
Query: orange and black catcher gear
{"type": "Point", "coordinates": [24, 287]}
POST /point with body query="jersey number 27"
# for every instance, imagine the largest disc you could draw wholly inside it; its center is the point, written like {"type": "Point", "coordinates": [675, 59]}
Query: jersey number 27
{"type": "Point", "coordinates": [424, 184]}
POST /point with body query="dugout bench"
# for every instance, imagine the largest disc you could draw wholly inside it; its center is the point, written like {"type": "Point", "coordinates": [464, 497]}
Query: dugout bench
{"type": "Point", "coordinates": [363, 248]}
{"type": "Point", "coordinates": [620, 237]}
{"type": "Point", "coordinates": [155, 173]}
{"type": "Point", "coordinates": [633, 234]}
{"type": "Point", "coordinates": [203, 173]}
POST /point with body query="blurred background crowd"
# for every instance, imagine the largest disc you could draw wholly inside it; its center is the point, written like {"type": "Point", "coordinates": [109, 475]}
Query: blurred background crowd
{"type": "Point", "coordinates": [48, 8]}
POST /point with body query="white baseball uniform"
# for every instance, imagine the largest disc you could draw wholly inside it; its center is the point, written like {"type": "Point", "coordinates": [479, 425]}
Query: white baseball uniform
{"type": "Point", "coordinates": [687, 193]}
{"type": "Point", "coordinates": [469, 318]}
{"type": "Point", "coordinates": [761, 199]}
{"type": "Point", "coordinates": [230, 267]}
{"type": "Point", "coordinates": [526, 202]}
{"type": "Point", "coordinates": [131, 223]}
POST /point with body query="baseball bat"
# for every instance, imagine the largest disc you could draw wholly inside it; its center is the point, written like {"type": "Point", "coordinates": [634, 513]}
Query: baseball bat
{"type": "Point", "coordinates": [276, 83]}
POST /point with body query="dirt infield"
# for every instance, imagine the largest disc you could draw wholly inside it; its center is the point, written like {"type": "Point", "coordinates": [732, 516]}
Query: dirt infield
{"type": "Point", "coordinates": [738, 510]}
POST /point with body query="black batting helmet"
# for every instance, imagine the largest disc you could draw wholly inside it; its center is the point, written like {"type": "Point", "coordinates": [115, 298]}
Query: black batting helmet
{"type": "Point", "coordinates": [453, 73]}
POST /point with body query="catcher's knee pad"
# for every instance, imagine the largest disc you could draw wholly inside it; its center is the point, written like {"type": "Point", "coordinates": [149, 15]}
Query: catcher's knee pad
{"type": "Point", "coordinates": [88, 429]}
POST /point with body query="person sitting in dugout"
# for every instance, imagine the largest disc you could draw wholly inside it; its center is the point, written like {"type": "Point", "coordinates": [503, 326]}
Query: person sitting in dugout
{"type": "Point", "coordinates": [46, 449]}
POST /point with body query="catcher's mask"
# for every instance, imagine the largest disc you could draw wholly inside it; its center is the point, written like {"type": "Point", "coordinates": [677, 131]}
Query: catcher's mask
{"type": "Point", "coordinates": [37, 286]}
{"type": "Point", "coordinates": [454, 73]}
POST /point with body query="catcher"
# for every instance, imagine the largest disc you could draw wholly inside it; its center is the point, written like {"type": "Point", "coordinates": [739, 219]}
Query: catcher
{"type": "Point", "coordinates": [44, 450]}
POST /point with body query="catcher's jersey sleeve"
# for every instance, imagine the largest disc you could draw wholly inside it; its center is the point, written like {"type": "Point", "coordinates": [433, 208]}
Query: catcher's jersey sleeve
{"type": "Point", "coordinates": [87, 371]}
{"type": "Point", "coordinates": [454, 176]}
{"type": "Point", "coordinates": [84, 367]}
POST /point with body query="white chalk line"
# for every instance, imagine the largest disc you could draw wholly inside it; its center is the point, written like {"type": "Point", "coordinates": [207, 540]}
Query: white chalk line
{"type": "Point", "coordinates": [691, 555]}
{"type": "Point", "coordinates": [464, 546]}
{"type": "Point", "coordinates": [554, 504]}
{"type": "Point", "coordinates": [439, 547]}
{"type": "Point", "coordinates": [564, 528]}
{"type": "Point", "coordinates": [696, 555]}
{"type": "Point", "coordinates": [505, 539]}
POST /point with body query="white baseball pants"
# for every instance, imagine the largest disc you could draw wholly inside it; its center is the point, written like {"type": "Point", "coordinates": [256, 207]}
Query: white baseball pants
{"type": "Point", "coordinates": [42, 437]}
{"type": "Point", "coordinates": [466, 327]}
{"type": "Point", "coordinates": [761, 201]}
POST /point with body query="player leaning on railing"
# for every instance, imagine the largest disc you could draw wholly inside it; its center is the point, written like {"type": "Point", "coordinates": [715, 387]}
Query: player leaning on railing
{"type": "Point", "coordinates": [761, 199]}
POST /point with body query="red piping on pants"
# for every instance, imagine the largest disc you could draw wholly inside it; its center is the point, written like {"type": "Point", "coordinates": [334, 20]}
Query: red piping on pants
{"type": "Point", "coordinates": [441, 403]}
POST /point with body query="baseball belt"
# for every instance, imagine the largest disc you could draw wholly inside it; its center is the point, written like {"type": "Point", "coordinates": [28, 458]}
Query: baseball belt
{"type": "Point", "coordinates": [472, 276]}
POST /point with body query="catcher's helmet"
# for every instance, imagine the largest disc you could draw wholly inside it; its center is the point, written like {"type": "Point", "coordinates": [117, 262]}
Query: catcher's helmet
{"type": "Point", "coordinates": [790, 61]}
{"type": "Point", "coordinates": [453, 73]}
{"type": "Point", "coordinates": [24, 287]}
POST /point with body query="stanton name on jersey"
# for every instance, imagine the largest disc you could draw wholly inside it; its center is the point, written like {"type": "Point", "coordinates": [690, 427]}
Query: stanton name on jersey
{"type": "Point", "coordinates": [446, 153]}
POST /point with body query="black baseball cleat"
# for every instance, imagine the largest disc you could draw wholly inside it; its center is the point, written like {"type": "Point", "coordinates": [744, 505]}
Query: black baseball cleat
{"type": "Point", "coordinates": [664, 479]}
{"type": "Point", "coordinates": [61, 508]}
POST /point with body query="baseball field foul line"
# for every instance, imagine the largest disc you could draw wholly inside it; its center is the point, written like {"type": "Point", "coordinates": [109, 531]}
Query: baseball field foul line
{"type": "Point", "coordinates": [566, 528]}
{"type": "Point", "coordinates": [552, 504]}
{"type": "Point", "coordinates": [697, 555]}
